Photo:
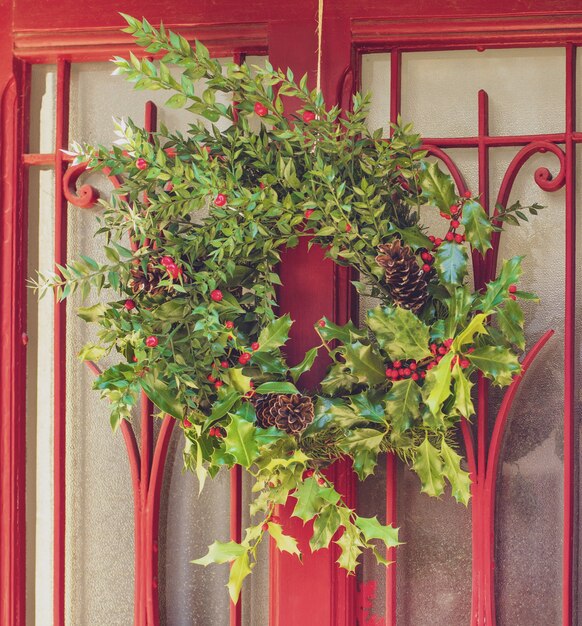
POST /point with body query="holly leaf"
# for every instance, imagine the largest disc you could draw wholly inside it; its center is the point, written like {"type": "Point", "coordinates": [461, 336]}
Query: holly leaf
{"type": "Point", "coordinates": [220, 552]}
{"type": "Point", "coordinates": [159, 393]}
{"type": "Point", "coordinates": [437, 386]}
{"type": "Point", "coordinates": [92, 352]}
{"type": "Point", "coordinates": [364, 363]}
{"type": "Point", "coordinates": [309, 500]}
{"type": "Point", "coordinates": [478, 228]}
{"type": "Point", "coordinates": [467, 335]}
{"type": "Point", "coordinates": [221, 407]}
{"type": "Point", "coordinates": [269, 362]}
{"type": "Point", "coordinates": [351, 547]}
{"type": "Point", "coordinates": [459, 305]}
{"type": "Point", "coordinates": [497, 289]}
{"type": "Point", "coordinates": [399, 332]}
{"type": "Point", "coordinates": [429, 468]}
{"type": "Point", "coordinates": [437, 187]}
{"type": "Point", "coordinates": [338, 378]}
{"type": "Point", "coordinates": [510, 321]}
{"type": "Point", "coordinates": [92, 313]}
{"type": "Point", "coordinates": [451, 263]}
{"type": "Point", "coordinates": [239, 570]}
{"type": "Point", "coordinates": [363, 444]}
{"type": "Point", "coordinates": [275, 334]}
{"type": "Point", "coordinates": [285, 543]}
{"type": "Point", "coordinates": [330, 331]}
{"type": "Point", "coordinates": [240, 441]}
{"type": "Point", "coordinates": [325, 527]}
{"type": "Point", "coordinates": [305, 365]}
{"type": "Point", "coordinates": [463, 402]}
{"type": "Point", "coordinates": [459, 479]}
{"type": "Point", "coordinates": [238, 380]}
{"type": "Point", "coordinates": [277, 387]}
{"type": "Point", "coordinates": [402, 404]}
{"type": "Point", "coordinates": [497, 363]}
{"type": "Point", "coordinates": [372, 529]}
{"type": "Point", "coordinates": [370, 405]}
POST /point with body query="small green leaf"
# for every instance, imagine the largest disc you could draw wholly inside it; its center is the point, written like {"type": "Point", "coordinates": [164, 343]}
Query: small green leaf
{"type": "Point", "coordinates": [92, 313]}
{"type": "Point", "coordinates": [285, 543]}
{"type": "Point", "coordinates": [277, 387]}
{"type": "Point", "coordinates": [325, 527]}
{"type": "Point", "coordinates": [437, 386]}
{"type": "Point", "coordinates": [437, 187]}
{"type": "Point", "coordinates": [510, 320]}
{"type": "Point", "coordinates": [275, 334]}
{"type": "Point", "coordinates": [220, 552]}
{"type": "Point", "coordinates": [92, 352]}
{"type": "Point", "coordinates": [305, 365]}
{"type": "Point", "coordinates": [309, 500]}
{"type": "Point", "coordinates": [403, 404]}
{"type": "Point", "coordinates": [239, 570]}
{"type": "Point", "coordinates": [351, 547]}
{"type": "Point", "coordinates": [372, 529]}
{"type": "Point", "coordinates": [451, 263]}
{"type": "Point", "coordinates": [364, 363]}
{"type": "Point", "coordinates": [496, 362]}
{"type": "Point", "coordinates": [240, 441]}
{"type": "Point", "coordinates": [467, 335]}
{"type": "Point", "coordinates": [496, 291]}
{"type": "Point", "coordinates": [161, 395]}
{"type": "Point", "coordinates": [463, 401]}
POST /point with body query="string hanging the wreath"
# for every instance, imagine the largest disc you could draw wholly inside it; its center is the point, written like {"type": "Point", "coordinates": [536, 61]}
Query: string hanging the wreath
{"type": "Point", "coordinates": [195, 323]}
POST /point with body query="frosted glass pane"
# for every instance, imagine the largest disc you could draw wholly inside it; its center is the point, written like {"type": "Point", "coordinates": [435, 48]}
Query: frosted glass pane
{"type": "Point", "coordinates": [97, 96]}
{"type": "Point", "coordinates": [526, 90]}
{"type": "Point", "coordinates": [39, 401]}
{"type": "Point", "coordinates": [189, 523]}
{"type": "Point", "coordinates": [99, 536]}
{"type": "Point", "coordinates": [43, 80]}
{"type": "Point", "coordinates": [376, 80]}
{"type": "Point", "coordinates": [529, 496]}
{"type": "Point", "coordinates": [434, 564]}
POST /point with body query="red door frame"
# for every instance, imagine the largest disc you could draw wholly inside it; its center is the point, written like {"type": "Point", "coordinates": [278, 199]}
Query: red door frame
{"type": "Point", "coordinates": [86, 33]}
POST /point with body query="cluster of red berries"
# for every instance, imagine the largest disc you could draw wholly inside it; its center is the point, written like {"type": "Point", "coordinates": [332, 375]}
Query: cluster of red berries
{"type": "Point", "coordinates": [400, 370]}
{"type": "Point", "coordinates": [175, 271]}
{"type": "Point", "coordinates": [512, 289]}
{"type": "Point", "coordinates": [428, 259]}
{"type": "Point", "coordinates": [216, 431]}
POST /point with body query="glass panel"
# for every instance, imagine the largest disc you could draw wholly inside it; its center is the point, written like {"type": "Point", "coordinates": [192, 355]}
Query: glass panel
{"type": "Point", "coordinates": [530, 495]}
{"type": "Point", "coordinates": [376, 80]}
{"type": "Point", "coordinates": [526, 90]}
{"type": "Point", "coordinates": [39, 401]}
{"type": "Point", "coordinates": [43, 81]}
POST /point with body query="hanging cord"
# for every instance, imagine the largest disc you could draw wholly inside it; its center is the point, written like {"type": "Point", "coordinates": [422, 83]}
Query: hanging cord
{"type": "Point", "coordinates": [319, 32]}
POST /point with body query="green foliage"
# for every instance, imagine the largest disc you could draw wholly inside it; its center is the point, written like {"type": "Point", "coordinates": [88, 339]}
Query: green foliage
{"type": "Point", "coordinates": [205, 340]}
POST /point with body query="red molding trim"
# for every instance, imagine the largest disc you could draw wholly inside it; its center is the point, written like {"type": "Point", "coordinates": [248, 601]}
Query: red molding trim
{"type": "Point", "coordinates": [479, 31]}
{"type": "Point", "coordinates": [90, 44]}
{"type": "Point", "coordinates": [13, 254]}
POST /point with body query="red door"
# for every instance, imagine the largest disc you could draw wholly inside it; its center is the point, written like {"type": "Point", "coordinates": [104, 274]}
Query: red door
{"type": "Point", "coordinates": [511, 558]}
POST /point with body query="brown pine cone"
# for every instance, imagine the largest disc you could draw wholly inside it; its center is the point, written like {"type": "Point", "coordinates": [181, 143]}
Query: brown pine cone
{"type": "Point", "coordinates": [405, 279]}
{"type": "Point", "coordinates": [291, 413]}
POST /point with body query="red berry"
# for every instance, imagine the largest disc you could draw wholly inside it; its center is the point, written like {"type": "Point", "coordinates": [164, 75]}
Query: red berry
{"type": "Point", "coordinates": [255, 346]}
{"type": "Point", "coordinates": [262, 185]}
{"type": "Point", "coordinates": [429, 257]}
{"type": "Point", "coordinates": [169, 186]}
{"type": "Point", "coordinates": [229, 325]}
{"type": "Point", "coordinates": [454, 209]}
{"type": "Point", "coordinates": [320, 481]}
{"type": "Point", "coordinates": [512, 296]}
{"type": "Point", "coordinates": [414, 376]}
{"type": "Point", "coordinates": [171, 152]}
{"type": "Point", "coordinates": [224, 364]}
{"type": "Point", "coordinates": [400, 371]}
{"type": "Point", "coordinates": [212, 431]}
{"type": "Point", "coordinates": [471, 349]}
{"type": "Point", "coordinates": [395, 375]}
{"type": "Point", "coordinates": [442, 350]}
{"type": "Point", "coordinates": [220, 200]}
{"type": "Point", "coordinates": [166, 261]}
{"type": "Point", "coordinates": [308, 116]}
{"type": "Point", "coordinates": [407, 371]}
{"type": "Point", "coordinates": [438, 241]}
{"type": "Point", "coordinates": [445, 215]}
{"type": "Point", "coordinates": [174, 271]}
{"type": "Point", "coordinates": [459, 238]}
{"type": "Point", "coordinates": [260, 109]}
{"type": "Point", "coordinates": [151, 341]}
{"type": "Point", "coordinates": [423, 374]}
{"type": "Point", "coordinates": [455, 224]}
{"type": "Point", "coordinates": [431, 238]}
{"type": "Point", "coordinates": [211, 378]}
{"type": "Point", "coordinates": [187, 423]}
{"type": "Point", "coordinates": [218, 384]}
{"type": "Point", "coordinates": [448, 342]}
{"type": "Point", "coordinates": [348, 228]}
{"type": "Point", "coordinates": [309, 213]}
{"type": "Point", "coordinates": [321, 323]}
{"type": "Point", "coordinates": [413, 365]}
{"type": "Point", "coordinates": [216, 295]}
{"type": "Point", "coordinates": [465, 363]}
{"type": "Point", "coordinates": [389, 373]}
{"type": "Point", "coordinates": [454, 361]}
{"type": "Point", "coordinates": [397, 364]}
{"type": "Point", "coordinates": [449, 236]}
{"type": "Point", "coordinates": [244, 358]}
{"type": "Point", "coordinates": [430, 365]}
{"type": "Point", "coordinates": [467, 194]}
{"type": "Point", "coordinates": [512, 288]}
{"type": "Point", "coordinates": [308, 473]}
{"type": "Point", "coordinates": [439, 358]}
{"type": "Point", "coordinates": [129, 305]}
{"type": "Point", "coordinates": [433, 348]}
{"type": "Point", "coordinates": [426, 268]}
{"type": "Point", "coordinates": [134, 359]}
{"type": "Point", "coordinates": [141, 164]}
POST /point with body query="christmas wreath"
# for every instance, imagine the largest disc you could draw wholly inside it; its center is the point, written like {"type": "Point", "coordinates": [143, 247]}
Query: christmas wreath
{"type": "Point", "coordinates": [195, 321]}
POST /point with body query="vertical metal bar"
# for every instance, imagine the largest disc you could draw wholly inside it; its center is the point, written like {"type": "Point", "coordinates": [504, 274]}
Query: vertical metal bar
{"type": "Point", "coordinates": [236, 531]}
{"type": "Point", "coordinates": [569, 339]}
{"type": "Point", "coordinates": [60, 344]}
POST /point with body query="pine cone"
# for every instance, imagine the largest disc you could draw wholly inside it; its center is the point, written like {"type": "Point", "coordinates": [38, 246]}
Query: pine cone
{"type": "Point", "coordinates": [289, 412]}
{"type": "Point", "coordinates": [148, 281]}
{"type": "Point", "coordinates": [405, 279]}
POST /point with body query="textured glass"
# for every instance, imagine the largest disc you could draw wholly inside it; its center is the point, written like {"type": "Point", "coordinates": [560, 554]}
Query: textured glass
{"type": "Point", "coordinates": [526, 90]}
{"type": "Point", "coordinates": [43, 80]}
{"type": "Point", "coordinates": [376, 80]}
{"type": "Point", "coordinates": [529, 492]}
{"type": "Point", "coordinates": [99, 506]}
{"type": "Point", "coordinates": [39, 402]}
